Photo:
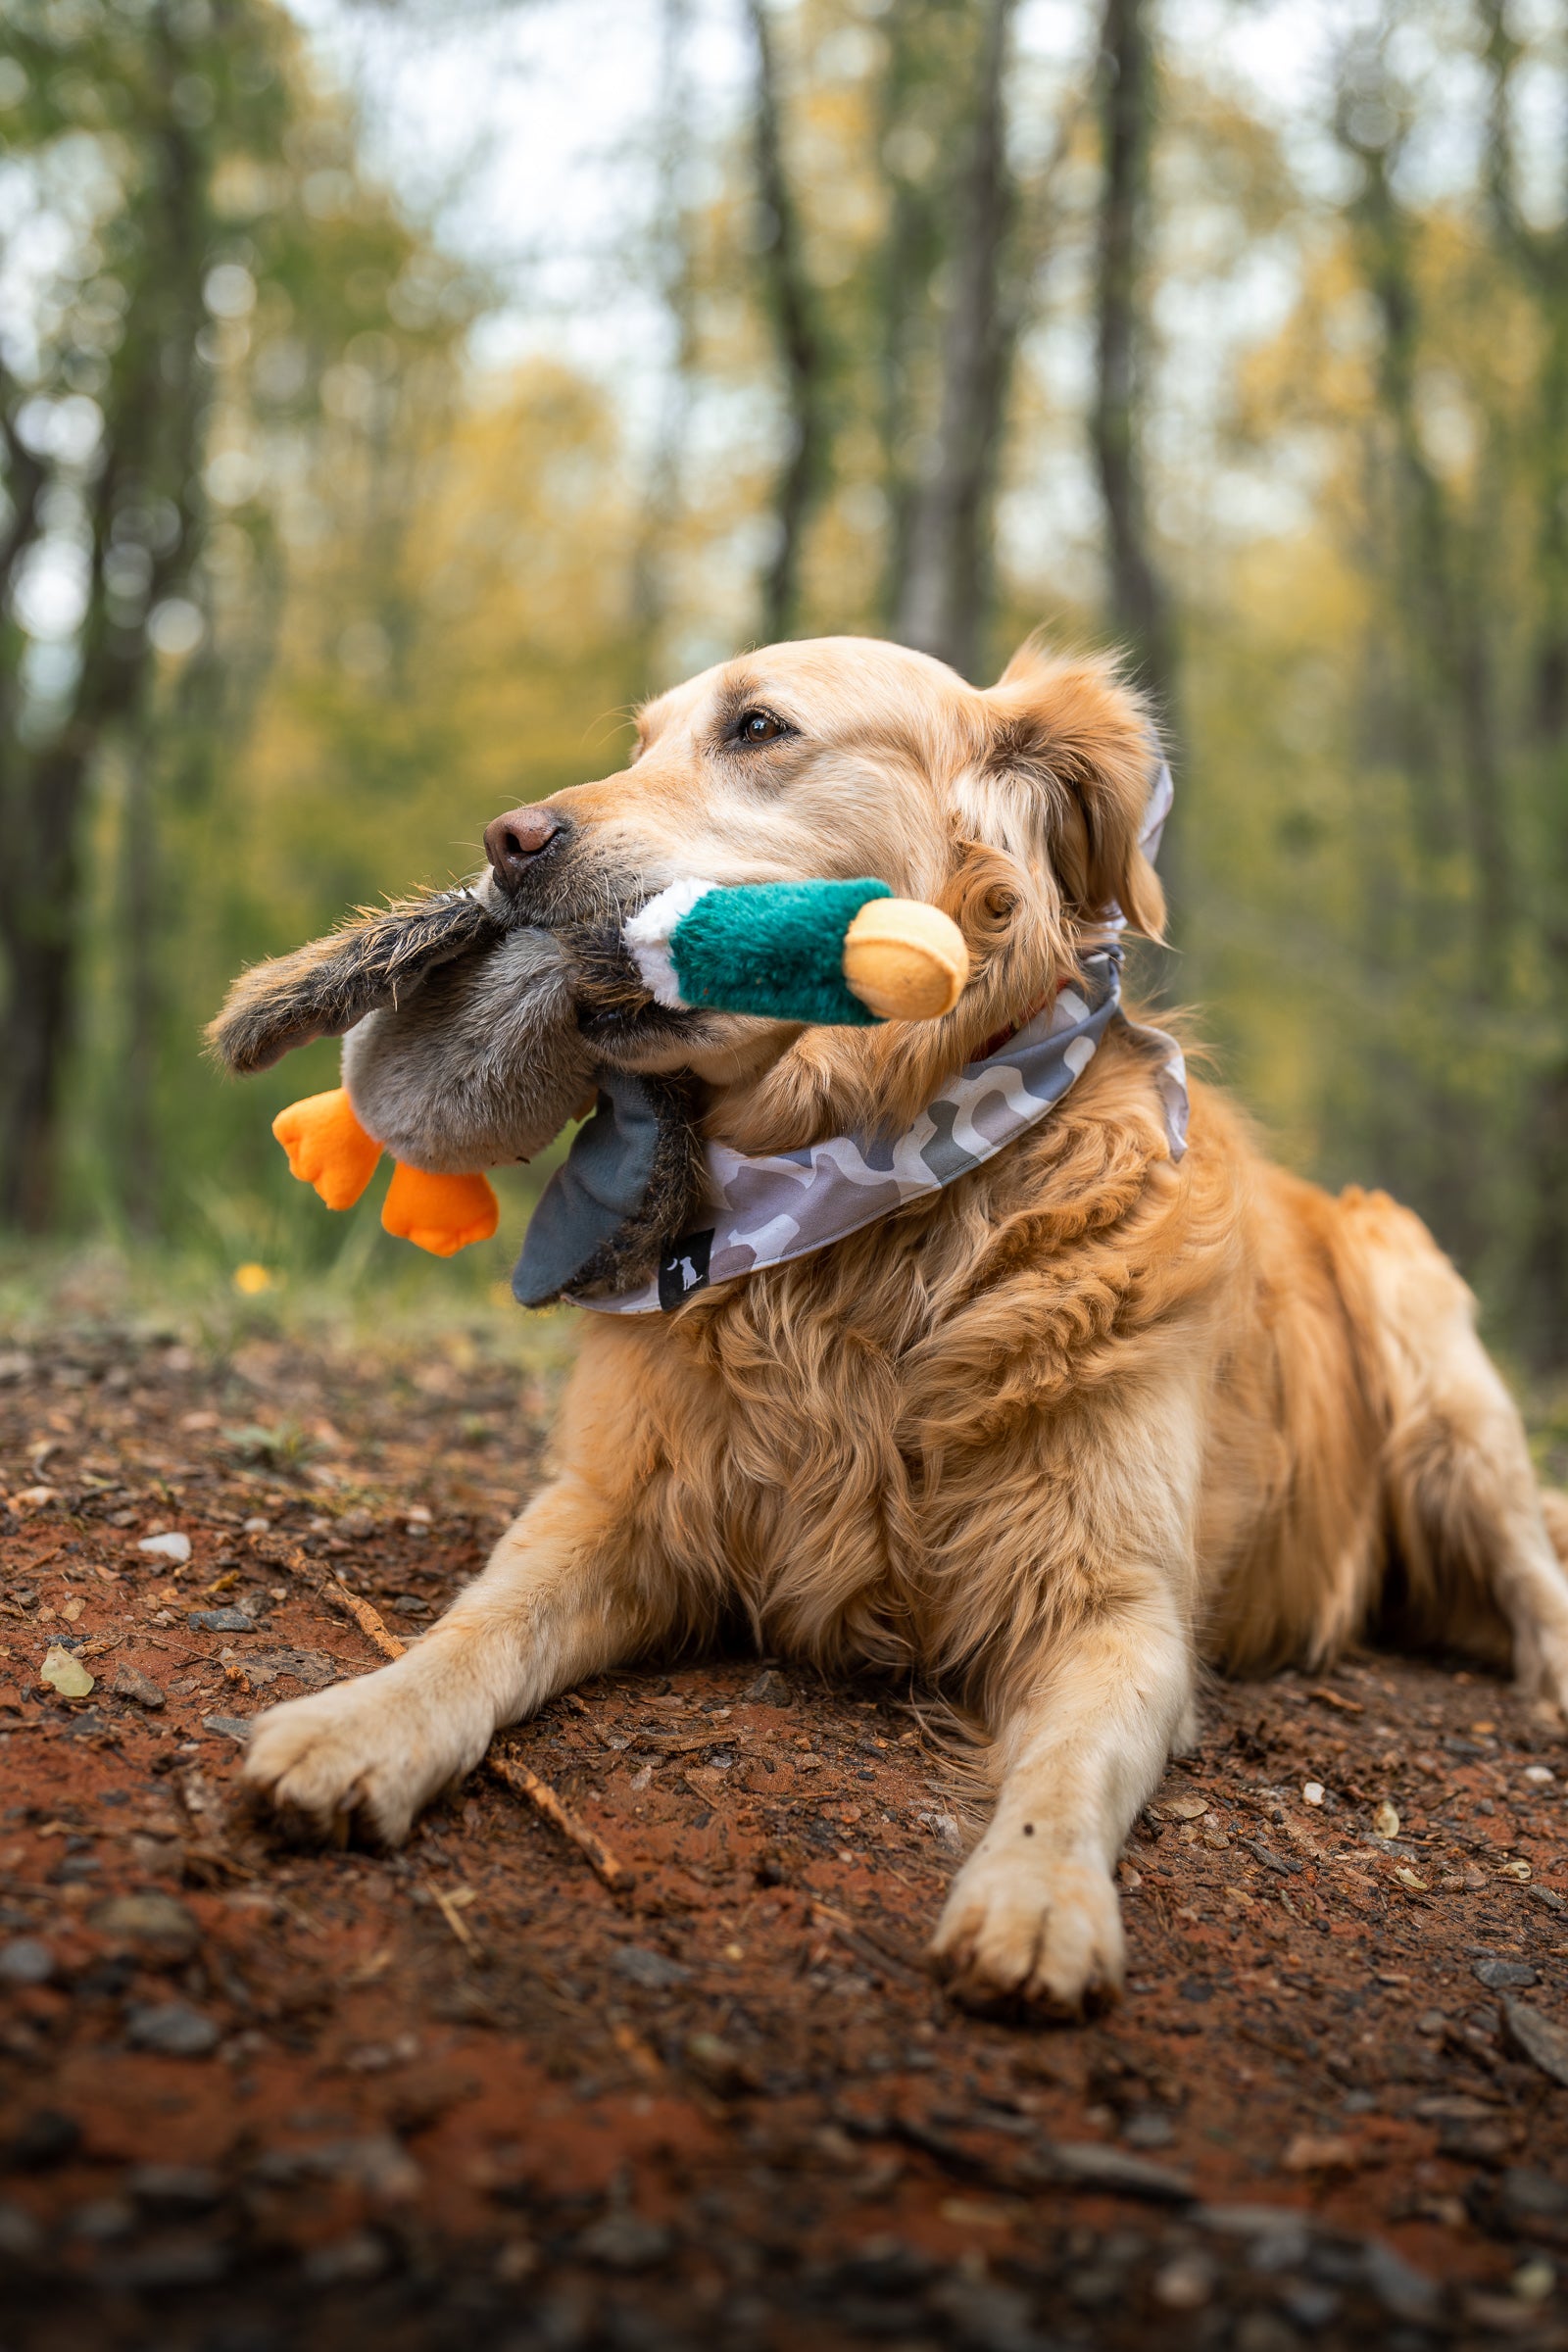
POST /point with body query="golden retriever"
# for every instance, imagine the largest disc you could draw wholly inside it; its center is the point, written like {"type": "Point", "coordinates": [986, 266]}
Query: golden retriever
{"type": "Point", "coordinates": [1051, 1436]}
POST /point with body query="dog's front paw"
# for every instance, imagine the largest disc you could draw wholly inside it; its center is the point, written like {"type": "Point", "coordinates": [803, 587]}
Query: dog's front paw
{"type": "Point", "coordinates": [1026, 1930]}
{"type": "Point", "coordinates": [362, 1756]}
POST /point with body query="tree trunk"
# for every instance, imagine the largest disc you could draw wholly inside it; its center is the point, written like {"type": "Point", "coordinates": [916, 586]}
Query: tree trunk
{"type": "Point", "coordinates": [798, 340]}
{"type": "Point", "coordinates": [1541, 259]}
{"type": "Point", "coordinates": [662, 499]}
{"type": "Point", "coordinates": [945, 586]}
{"type": "Point", "coordinates": [152, 442]}
{"type": "Point", "coordinates": [1140, 611]}
{"type": "Point", "coordinates": [1441, 587]}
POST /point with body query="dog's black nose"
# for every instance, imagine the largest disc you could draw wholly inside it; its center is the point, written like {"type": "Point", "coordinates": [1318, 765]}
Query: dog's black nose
{"type": "Point", "coordinates": [512, 842]}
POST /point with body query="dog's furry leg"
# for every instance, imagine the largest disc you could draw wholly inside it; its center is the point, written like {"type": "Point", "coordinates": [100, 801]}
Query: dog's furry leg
{"type": "Point", "coordinates": [1032, 1920]}
{"type": "Point", "coordinates": [1085, 1712]}
{"type": "Point", "coordinates": [548, 1610]}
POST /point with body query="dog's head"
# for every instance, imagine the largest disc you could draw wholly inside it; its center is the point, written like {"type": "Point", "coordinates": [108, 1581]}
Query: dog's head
{"type": "Point", "coordinates": [1018, 808]}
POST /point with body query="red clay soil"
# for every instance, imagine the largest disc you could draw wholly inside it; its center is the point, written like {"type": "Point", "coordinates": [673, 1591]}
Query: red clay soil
{"type": "Point", "coordinates": [471, 2094]}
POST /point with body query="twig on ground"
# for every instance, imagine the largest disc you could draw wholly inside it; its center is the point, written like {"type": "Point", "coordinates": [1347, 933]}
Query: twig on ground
{"type": "Point", "coordinates": [1335, 1699]}
{"type": "Point", "coordinates": [452, 1904]}
{"type": "Point", "coordinates": [869, 1946]}
{"type": "Point", "coordinates": [364, 1617]}
{"type": "Point", "coordinates": [543, 1799]}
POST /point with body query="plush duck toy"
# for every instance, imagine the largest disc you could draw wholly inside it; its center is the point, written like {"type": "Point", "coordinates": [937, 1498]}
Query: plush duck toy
{"type": "Point", "coordinates": [463, 1048]}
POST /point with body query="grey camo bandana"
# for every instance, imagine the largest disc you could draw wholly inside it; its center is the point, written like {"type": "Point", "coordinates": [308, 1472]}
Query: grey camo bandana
{"type": "Point", "coordinates": [782, 1206]}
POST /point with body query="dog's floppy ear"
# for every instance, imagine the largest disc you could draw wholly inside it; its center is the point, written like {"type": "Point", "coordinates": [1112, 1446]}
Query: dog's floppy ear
{"type": "Point", "coordinates": [1070, 725]}
{"type": "Point", "coordinates": [378, 955]}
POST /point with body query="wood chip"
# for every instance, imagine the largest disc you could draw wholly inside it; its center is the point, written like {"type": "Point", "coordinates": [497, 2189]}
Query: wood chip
{"type": "Point", "coordinates": [870, 1947]}
{"type": "Point", "coordinates": [364, 1617]}
{"type": "Point", "coordinates": [561, 1816]}
{"type": "Point", "coordinates": [1325, 2152]}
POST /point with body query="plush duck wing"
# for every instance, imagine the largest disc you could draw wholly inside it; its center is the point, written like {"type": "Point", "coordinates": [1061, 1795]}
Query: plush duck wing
{"type": "Point", "coordinates": [374, 959]}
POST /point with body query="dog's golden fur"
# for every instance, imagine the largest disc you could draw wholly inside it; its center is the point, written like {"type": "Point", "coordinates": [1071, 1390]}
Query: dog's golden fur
{"type": "Point", "coordinates": [1049, 1437]}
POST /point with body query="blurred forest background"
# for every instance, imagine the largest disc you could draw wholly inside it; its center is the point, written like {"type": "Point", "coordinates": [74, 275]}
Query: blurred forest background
{"type": "Point", "coordinates": [390, 394]}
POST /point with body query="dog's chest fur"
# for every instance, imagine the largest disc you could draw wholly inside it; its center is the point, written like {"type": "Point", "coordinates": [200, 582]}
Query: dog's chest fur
{"type": "Point", "coordinates": [855, 1442]}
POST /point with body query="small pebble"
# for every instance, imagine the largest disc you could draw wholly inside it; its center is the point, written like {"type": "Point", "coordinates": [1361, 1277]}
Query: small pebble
{"type": "Point", "coordinates": [26, 1960]}
{"type": "Point", "coordinates": [1312, 1793]}
{"type": "Point", "coordinates": [1185, 2284]}
{"type": "Point", "coordinates": [1540, 1776]}
{"type": "Point", "coordinates": [159, 1922]}
{"type": "Point", "coordinates": [101, 2221]}
{"type": "Point", "coordinates": [173, 1547]}
{"type": "Point", "coordinates": [625, 2241]}
{"type": "Point", "coordinates": [1504, 1976]}
{"type": "Point", "coordinates": [173, 2029]}
{"type": "Point", "coordinates": [228, 1727]}
{"type": "Point", "coordinates": [129, 1684]}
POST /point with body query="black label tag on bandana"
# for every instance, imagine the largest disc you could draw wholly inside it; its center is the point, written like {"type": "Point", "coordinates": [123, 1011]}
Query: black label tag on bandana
{"type": "Point", "coordinates": [683, 1268]}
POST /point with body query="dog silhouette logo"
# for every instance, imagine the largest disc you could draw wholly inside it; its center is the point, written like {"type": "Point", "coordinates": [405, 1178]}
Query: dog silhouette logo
{"type": "Point", "coordinates": [683, 1268]}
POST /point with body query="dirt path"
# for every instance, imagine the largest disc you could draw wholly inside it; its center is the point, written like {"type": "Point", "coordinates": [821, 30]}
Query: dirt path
{"type": "Point", "coordinates": [253, 2097]}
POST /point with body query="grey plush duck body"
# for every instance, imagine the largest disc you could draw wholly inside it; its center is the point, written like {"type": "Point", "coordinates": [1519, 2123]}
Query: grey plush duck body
{"type": "Point", "coordinates": [463, 1050]}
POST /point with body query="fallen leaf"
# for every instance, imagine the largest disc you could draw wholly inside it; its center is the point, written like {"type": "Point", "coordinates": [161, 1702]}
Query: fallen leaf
{"type": "Point", "coordinates": [65, 1673]}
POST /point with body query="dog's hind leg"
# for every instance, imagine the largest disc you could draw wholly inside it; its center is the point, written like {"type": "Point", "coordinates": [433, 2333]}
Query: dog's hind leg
{"type": "Point", "coordinates": [1475, 1564]}
{"type": "Point", "coordinates": [1478, 1568]}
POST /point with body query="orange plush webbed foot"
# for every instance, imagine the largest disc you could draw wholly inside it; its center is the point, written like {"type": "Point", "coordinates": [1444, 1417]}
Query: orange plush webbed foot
{"type": "Point", "coordinates": [439, 1213]}
{"type": "Point", "coordinates": [327, 1148]}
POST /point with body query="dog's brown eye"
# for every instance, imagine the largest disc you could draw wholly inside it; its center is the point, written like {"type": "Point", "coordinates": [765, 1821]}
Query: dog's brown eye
{"type": "Point", "coordinates": [759, 726]}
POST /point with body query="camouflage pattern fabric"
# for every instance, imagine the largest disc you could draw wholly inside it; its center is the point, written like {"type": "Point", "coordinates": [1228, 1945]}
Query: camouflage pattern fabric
{"type": "Point", "coordinates": [782, 1206]}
